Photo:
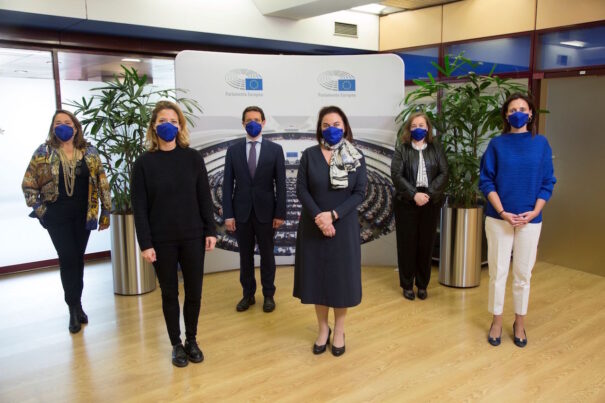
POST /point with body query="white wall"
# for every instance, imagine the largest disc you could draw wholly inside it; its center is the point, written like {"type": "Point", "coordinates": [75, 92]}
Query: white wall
{"type": "Point", "coordinates": [227, 17]}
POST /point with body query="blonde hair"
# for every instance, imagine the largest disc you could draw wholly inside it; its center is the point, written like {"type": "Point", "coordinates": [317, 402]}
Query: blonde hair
{"type": "Point", "coordinates": [406, 134]}
{"type": "Point", "coordinates": [182, 138]}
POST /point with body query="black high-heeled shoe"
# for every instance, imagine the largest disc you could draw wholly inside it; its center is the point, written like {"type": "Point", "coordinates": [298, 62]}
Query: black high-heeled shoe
{"type": "Point", "coordinates": [322, 349]}
{"type": "Point", "coordinates": [494, 341]}
{"type": "Point", "coordinates": [338, 351]}
{"type": "Point", "coordinates": [519, 342]}
{"type": "Point", "coordinates": [74, 320]}
{"type": "Point", "coordinates": [82, 317]}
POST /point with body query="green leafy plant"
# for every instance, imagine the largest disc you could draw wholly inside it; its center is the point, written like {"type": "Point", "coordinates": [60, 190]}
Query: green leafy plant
{"type": "Point", "coordinates": [465, 111]}
{"type": "Point", "coordinates": [117, 116]}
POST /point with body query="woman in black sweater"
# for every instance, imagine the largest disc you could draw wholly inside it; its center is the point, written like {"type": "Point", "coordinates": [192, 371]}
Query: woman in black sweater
{"type": "Point", "coordinates": [174, 221]}
{"type": "Point", "coordinates": [419, 173]}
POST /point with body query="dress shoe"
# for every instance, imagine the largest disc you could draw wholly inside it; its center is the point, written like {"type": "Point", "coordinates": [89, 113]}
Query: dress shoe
{"type": "Point", "coordinates": [322, 349]}
{"type": "Point", "coordinates": [193, 351]}
{"type": "Point", "coordinates": [74, 320]}
{"type": "Point", "coordinates": [422, 294]}
{"type": "Point", "coordinates": [245, 303]}
{"type": "Point", "coordinates": [519, 342]}
{"type": "Point", "coordinates": [408, 294]}
{"type": "Point", "coordinates": [494, 341]}
{"type": "Point", "coordinates": [82, 317]}
{"type": "Point", "coordinates": [269, 304]}
{"type": "Point", "coordinates": [338, 351]}
{"type": "Point", "coordinates": [179, 356]}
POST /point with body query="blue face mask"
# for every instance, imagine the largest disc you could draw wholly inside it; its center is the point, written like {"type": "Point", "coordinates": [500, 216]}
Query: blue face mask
{"type": "Point", "coordinates": [332, 135]}
{"type": "Point", "coordinates": [167, 131]}
{"type": "Point", "coordinates": [64, 132]}
{"type": "Point", "coordinates": [418, 133]}
{"type": "Point", "coordinates": [253, 128]}
{"type": "Point", "coordinates": [518, 119]}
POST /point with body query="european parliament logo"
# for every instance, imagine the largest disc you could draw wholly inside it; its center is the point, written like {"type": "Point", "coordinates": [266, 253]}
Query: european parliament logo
{"type": "Point", "coordinates": [337, 80]}
{"type": "Point", "coordinates": [244, 79]}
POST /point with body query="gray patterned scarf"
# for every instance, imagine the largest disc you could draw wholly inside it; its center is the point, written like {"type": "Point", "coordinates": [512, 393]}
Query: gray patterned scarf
{"type": "Point", "coordinates": [345, 158]}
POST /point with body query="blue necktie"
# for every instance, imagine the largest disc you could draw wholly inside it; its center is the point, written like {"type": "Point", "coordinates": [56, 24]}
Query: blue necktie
{"type": "Point", "coordinates": [252, 158]}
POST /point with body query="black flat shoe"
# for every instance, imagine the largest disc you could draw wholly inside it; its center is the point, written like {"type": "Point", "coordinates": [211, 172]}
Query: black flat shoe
{"type": "Point", "coordinates": [245, 303]}
{"type": "Point", "coordinates": [322, 349]}
{"type": "Point", "coordinates": [193, 351]}
{"type": "Point", "coordinates": [82, 317]}
{"type": "Point", "coordinates": [74, 320]}
{"type": "Point", "coordinates": [519, 342]}
{"type": "Point", "coordinates": [179, 356]}
{"type": "Point", "coordinates": [494, 341]}
{"type": "Point", "coordinates": [409, 294]}
{"type": "Point", "coordinates": [422, 294]}
{"type": "Point", "coordinates": [269, 304]}
{"type": "Point", "coordinates": [338, 351]}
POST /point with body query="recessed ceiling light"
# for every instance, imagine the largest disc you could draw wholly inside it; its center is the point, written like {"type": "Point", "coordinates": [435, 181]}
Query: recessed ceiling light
{"type": "Point", "coordinates": [128, 59]}
{"type": "Point", "coordinates": [21, 71]}
{"type": "Point", "coordinates": [370, 8]}
{"type": "Point", "coordinates": [575, 44]}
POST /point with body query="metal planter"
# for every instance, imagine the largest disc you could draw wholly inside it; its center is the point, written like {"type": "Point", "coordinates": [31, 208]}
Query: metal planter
{"type": "Point", "coordinates": [132, 275]}
{"type": "Point", "coordinates": [461, 235]}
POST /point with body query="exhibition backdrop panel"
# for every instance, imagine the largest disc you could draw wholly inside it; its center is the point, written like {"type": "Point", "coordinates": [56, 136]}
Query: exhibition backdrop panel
{"type": "Point", "coordinates": [291, 90]}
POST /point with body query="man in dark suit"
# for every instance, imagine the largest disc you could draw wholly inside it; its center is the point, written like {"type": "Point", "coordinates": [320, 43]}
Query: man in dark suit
{"type": "Point", "coordinates": [254, 204]}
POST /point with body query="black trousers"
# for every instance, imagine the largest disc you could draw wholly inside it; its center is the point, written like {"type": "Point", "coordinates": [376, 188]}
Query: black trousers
{"type": "Point", "coordinates": [190, 256]}
{"type": "Point", "coordinates": [247, 233]}
{"type": "Point", "coordinates": [416, 231]}
{"type": "Point", "coordinates": [70, 238]}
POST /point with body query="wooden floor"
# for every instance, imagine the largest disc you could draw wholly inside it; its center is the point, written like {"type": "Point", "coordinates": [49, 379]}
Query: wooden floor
{"type": "Point", "coordinates": [397, 350]}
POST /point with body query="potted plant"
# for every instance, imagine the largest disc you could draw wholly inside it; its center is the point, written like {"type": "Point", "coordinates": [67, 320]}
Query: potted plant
{"type": "Point", "coordinates": [117, 116]}
{"type": "Point", "coordinates": [465, 111]}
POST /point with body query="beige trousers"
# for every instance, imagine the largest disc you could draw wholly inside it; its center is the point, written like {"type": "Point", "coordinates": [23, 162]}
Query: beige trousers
{"type": "Point", "coordinates": [502, 240]}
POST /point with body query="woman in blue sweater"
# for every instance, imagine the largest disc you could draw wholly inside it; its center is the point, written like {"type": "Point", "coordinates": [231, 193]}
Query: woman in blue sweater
{"type": "Point", "coordinates": [517, 178]}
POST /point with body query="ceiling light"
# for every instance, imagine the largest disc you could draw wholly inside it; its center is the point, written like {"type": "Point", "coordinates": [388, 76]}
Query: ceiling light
{"type": "Point", "coordinates": [370, 8]}
{"type": "Point", "coordinates": [128, 59]}
{"type": "Point", "coordinates": [575, 44]}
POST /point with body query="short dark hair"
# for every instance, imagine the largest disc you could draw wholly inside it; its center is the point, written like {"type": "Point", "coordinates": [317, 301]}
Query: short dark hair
{"type": "Point", "coordinates": [253, 109]}
{"type": "Point", "coordinates": [348, 133]}
{"type": "Point", "coordinates": [530, 102]}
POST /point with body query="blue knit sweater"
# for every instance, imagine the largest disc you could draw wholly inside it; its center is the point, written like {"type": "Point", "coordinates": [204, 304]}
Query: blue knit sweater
{"type": "Point", "coordinates": [519, 168]}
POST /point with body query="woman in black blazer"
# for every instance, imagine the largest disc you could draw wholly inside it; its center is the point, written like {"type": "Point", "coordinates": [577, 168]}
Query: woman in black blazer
{"type": "Point", "coordinates": [419, 173]}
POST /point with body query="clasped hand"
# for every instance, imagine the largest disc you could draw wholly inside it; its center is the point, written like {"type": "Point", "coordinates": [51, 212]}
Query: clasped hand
{"type": "Point", "coordinates": [325, 224]}
{"type": "Point", "coordinates": [519, 220]}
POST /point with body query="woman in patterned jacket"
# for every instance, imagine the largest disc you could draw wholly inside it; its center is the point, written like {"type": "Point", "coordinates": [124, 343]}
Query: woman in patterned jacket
{"type": "Point", "coordinates": [63, 184]}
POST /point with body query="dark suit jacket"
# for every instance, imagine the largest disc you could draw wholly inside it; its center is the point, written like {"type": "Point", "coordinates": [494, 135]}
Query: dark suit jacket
{"type": "Point", "coordinates": [266, 193]}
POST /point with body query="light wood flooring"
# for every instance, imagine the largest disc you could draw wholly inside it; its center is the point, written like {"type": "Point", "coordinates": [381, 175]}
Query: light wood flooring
{"type": "Point", "coordinates": [397, 350]}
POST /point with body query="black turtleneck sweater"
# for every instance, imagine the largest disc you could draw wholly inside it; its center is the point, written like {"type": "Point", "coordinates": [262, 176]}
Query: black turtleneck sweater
{"type": "Point", "coordinates": [171, 197]}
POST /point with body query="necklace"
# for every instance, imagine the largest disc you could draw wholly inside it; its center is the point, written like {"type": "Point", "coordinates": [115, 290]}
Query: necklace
{"type": "Point", "coordinates": [69, 170]}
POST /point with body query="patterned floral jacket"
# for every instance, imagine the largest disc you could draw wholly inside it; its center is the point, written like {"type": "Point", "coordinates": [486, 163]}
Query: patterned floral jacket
{"type": "Point", "coordinates": [41, 184]}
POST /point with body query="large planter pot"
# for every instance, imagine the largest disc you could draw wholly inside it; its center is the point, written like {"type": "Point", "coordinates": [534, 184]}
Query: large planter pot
{"type": "Point", "coordinates": [461, 233]}
{"type": "Point", "coordinates": [132, 275]}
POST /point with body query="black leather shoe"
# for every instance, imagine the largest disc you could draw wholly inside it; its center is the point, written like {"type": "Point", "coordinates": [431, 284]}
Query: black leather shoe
{"type": "Point", "coordinates": [82, 317]}
{"type": "Point", "coordinates": [338, 351]}
{"type": "Point", "coordinates": [494, 341]}
{"type": "Point", "coordinates": [422, 294]}
{"type": "Point", "coordinates": [245, 303]}
{"type": "Point", "coordinates": [269, 304]}
{"type": "Point", "coordinates": [193, 351]}
{"type": "Point", "coordinates": [74, 320]}
{"type": "Point", "coordinates": [519, 342]}
{"type": "Point", "coordinates": [322, 349]}
{"type": "Point", "coordinates": [179, 356]}
{"type": "Point", "coordinates": [409, 294]}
